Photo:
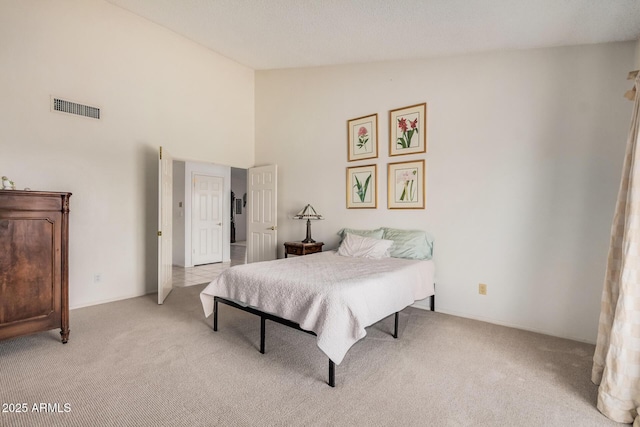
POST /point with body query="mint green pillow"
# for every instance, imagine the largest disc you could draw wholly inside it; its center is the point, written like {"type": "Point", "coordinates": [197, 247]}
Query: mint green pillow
{"type": "Point", "coordinates": [374, 234]}
{"type": "Point", "coordinates": [409, 244]}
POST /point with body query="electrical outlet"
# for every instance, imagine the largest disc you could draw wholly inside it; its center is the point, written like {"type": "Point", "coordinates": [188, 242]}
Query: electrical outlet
{"type": "Point", "coordinates": [482, 289]}
{"type": "Point", "coordinates": [97, 278]}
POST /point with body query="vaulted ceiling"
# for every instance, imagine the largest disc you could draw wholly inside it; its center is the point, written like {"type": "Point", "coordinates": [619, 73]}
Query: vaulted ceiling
{"type": "Point", "coordinates": [268, 34]}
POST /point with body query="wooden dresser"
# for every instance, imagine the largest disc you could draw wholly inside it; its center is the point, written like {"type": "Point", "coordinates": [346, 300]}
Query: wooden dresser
{"type": "Point", "coordinates": [34, 262]}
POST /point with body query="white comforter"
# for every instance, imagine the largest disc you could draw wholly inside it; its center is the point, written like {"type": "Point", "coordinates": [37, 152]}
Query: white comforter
{"type": "Point", "coordinates": [334, 296]}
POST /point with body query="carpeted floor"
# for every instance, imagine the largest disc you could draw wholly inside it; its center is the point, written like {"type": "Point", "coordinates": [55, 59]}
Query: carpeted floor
{"type": "Point", "coordinates": [134, 362]}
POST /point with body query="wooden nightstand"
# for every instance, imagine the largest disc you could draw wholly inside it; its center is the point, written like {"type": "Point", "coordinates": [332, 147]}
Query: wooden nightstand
{"type": "Point", "coordinates": [299, 248]}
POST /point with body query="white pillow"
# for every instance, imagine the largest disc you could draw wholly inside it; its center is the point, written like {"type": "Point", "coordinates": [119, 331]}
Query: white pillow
{"type": "Point", "coordinates": [364, 247]}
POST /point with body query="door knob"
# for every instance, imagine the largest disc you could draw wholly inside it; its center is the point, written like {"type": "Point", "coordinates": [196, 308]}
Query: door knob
{"type": "Point", "coordinates": [273, 228]}
{"type": "Point", "coordinates": [219, 223]}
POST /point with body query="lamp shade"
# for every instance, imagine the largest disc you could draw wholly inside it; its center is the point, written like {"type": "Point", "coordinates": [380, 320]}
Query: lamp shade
{"type": "Point", "coordinates": [308, 213]}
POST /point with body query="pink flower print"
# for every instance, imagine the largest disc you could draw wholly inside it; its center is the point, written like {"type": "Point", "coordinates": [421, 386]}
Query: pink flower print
{"type": "Point", "coordinates": [363, 138]}
{"type": "Point", "coordinates": [407, 179]}
{"type": "Point", "coordinates": [405, 176]}
{"type": "Point", "coordinates": [402, 124]}
{"type": "Point", "coordinates": [405, 140]}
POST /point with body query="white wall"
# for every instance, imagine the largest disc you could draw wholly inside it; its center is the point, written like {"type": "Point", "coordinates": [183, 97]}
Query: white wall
{"type": "Point", "coordinates": [524, 159]}
{"type": "Point", "coordinates": [155, 89]}
{"type": "Point", "coordinates": [191, 169]}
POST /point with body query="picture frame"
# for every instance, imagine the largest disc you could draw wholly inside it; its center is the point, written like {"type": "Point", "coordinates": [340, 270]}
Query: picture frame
{"type": "Point", "coordinates": [362, 138]}
{"type": "Point", "coordinates": [362, 187]}
{"type": "Point", "coordinates": [406, 185]}
{"type": "Point", "coordinates": [408, 130]}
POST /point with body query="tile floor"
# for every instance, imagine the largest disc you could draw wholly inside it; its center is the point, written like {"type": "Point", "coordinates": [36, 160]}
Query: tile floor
{"type": "Point", "coordinates": [189, 276]}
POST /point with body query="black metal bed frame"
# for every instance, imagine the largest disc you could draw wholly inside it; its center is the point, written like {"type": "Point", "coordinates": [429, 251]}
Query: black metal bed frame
{"type": "Point", "coordinates": [264, 316]}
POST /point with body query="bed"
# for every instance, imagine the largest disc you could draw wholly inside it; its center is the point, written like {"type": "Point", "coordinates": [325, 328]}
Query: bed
{"type": "Point", "coordinates": [329, 294]}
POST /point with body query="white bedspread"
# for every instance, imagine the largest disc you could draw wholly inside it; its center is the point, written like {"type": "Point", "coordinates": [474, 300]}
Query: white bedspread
{"type": "Point", "coordinates": [334, 296]}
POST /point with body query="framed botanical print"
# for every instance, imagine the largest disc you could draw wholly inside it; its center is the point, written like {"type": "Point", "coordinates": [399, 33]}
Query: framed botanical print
{"type": "Point", "coordinates": [362, 137]}
{"type": "Point", "coordinates": [406, 185]}
{"type": "Point", "coordinates": [362, 187]}
{"type": "Point", "coordinates": [408, 130]}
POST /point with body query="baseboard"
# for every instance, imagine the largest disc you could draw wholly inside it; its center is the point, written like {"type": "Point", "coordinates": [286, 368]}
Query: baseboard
{"type": "Point", "coordinates": [106, 301]}
{"type": "Point", "coordinates": [511, 325]}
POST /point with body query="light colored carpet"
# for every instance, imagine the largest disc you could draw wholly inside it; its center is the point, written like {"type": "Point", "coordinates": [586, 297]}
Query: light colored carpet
{"type": "Point", "coordinates": [134, 362]}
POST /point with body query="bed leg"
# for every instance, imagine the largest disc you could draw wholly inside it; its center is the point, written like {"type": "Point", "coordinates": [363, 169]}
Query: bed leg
{"type": "Point", "coordinates": [433, 303]}
{"type": "Point", "coordinates": [395, 329]}
{"type": "Point", "coordinates": [215, 314]}
{"type": "Point", "coordinates": [262, 327]}
{"type": "Point", "coordinates": [332, 373]}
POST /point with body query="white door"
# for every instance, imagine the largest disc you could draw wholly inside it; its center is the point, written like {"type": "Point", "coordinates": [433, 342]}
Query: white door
{"type": "Point", "coordinates": [262, 220]}
{"type": "Point", "coordinates": [207, 219]}
{"type": "Point", "coordinates": [165, 219]}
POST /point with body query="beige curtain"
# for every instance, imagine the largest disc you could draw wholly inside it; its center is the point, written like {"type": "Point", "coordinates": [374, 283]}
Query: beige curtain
{"type": "Point", "coordinates": [616, 362]}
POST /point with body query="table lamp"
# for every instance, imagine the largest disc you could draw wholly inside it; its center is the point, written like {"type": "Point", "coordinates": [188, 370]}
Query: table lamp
{"type": "Point", "coordinates": [308, 213]}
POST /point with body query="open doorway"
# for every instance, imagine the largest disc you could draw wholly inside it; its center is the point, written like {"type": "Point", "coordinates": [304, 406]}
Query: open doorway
{"type": "Point", "coordinates": [238, 234]}
{"type": "Point", "coordinates": [261, 189]}
{"type": "Point", "coordinates": [196, 196]}
{"type": "Point", "coordinates": [238, 205]}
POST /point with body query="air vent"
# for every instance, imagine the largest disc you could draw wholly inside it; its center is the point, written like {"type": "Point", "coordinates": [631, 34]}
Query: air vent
{"type": "Point", "coordinates": [63, 106]}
